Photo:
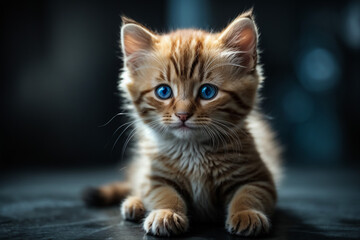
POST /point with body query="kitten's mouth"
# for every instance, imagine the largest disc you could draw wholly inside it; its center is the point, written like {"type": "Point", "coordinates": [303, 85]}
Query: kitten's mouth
{"type": "Point", "coordinates": [183, 126]}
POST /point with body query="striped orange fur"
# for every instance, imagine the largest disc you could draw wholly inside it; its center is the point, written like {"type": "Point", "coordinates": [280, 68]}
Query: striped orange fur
{"type": "Point", "coordinates": [222, 162]}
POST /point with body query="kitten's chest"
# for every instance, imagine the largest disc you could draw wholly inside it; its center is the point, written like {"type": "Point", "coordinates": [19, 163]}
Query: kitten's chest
{"type": "Point", "coordinates": [205, 200]}
{"type": "Point", "coordinates": [188, 158]}
{"type": "Point", "coordinates": [194, 166]}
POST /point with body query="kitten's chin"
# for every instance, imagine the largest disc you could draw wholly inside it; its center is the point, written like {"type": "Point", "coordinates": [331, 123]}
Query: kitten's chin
{"type": "Point", "coordinates": [186, 133]}
{"type": "Point", "coordinates": [183, 132]}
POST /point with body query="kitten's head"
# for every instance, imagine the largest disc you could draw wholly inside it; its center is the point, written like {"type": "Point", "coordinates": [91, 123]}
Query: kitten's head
{"type": "Point", "coordinates": [190, 83]}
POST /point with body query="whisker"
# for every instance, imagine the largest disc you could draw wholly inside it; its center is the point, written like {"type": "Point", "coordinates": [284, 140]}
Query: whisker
{"type": "Point", "coordinates": [129, 124]}
{"type": "Point", "coordinates": [132, 134]}
{"type": "Point", "coordinates": [229, 132]}
{"type": "Point", "coordinates": [218, 136]}
{"type": "Point", "coordinates": [116, 115]}
{"type": "Point", "coordinates": [205, 128]}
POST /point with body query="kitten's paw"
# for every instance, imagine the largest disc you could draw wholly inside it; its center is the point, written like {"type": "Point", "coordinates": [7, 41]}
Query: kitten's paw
{"type": "Point", "coordinates": [132, 209]}
{"type": "Point", "coordinates": [165, 222]}
{"type": "Point", "coordinates": [247, 223]}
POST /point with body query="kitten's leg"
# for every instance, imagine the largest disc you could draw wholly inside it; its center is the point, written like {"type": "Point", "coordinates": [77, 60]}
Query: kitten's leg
{"type": "Point", "coordinates": [249, 207]}
{"type": "Point", "coordinates": [168, 211]}
{"type": "Point", "coordinates": [106, 195]}
{"type": "Point", "coordinates": [132, 209]}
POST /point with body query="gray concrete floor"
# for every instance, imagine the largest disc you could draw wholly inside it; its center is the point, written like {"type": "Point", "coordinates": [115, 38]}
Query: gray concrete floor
{"type": "Point", "coordinates": [313, 204]}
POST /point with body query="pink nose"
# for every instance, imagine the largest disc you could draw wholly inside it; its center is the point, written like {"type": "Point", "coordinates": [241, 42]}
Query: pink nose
{"type": "Point", "coordinates": [183, 116]}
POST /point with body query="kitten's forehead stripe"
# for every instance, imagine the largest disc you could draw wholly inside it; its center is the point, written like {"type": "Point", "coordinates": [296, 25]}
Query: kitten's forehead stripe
{"type": "Point", "coordinates": [172, 58]}
{"type": "Point", "coordinates": [185, 59]}
{"type": "Point", "coordinates": [168, 71]}
{"type": "Point", "coordinates": [162, 77]}
{"type": "Point", "coordinates": [198, 50]}
{"type": "Point", "coordinates": [201, 71]}
{"type": "Point", "coordinates": [208, 75]}
{"type": "Point", "coordinates": [186, 54]}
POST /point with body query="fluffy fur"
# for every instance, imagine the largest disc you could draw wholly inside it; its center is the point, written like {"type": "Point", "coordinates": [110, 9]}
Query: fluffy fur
{"type": "Point", "coordinates": [223, 162]}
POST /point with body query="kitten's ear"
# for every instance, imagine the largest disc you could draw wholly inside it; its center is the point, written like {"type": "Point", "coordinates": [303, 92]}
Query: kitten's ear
{"type": "Point", "coordinates": [136, 41]}
{"type": "Point", "coordinates": [240, 37]}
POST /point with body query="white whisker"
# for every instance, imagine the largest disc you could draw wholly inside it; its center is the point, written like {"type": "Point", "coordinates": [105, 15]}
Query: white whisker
{"type": "Point", "coordinates": [116, 115]}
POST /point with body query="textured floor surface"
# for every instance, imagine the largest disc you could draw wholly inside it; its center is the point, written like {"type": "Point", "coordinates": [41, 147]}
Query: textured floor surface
{"type": "Point", "coordinates": [313, 204]}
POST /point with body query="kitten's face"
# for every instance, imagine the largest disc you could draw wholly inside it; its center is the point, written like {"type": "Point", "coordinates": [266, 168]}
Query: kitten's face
{"type": "Point", "coordinates": [189, 83]}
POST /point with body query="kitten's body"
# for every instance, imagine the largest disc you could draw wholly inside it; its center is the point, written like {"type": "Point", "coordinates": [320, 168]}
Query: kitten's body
{"type": "Point", "coordinates": [221, 160]}
{"type": "Point", "coordinates": [198, 169]}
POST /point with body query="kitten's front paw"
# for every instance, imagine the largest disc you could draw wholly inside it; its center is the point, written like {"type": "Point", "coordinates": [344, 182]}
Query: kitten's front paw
{"type": "Point", "coordinates": [165, 222]}
{"type": "Point", "coordinates": [132, 209]}
{"type": "Point", "coordinates": [247, 223]}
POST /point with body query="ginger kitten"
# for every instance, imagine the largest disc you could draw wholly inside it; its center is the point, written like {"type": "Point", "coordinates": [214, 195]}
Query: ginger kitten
{"type": "Point", "coordinates": [203, 150]}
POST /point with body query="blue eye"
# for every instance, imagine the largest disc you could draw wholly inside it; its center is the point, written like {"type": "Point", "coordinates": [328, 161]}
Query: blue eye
{"type": "Point", "coordinates": [163, 92]}
{"type": "Point", "coordinates": [208, 91]}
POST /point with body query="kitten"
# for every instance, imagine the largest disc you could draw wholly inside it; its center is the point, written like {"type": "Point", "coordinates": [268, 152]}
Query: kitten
{"type": "Point", "coordinates": [203, 149]}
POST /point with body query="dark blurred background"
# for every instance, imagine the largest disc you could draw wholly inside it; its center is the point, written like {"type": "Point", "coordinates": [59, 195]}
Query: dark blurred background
{"type": "Point", "coordinates": [60, 62]}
